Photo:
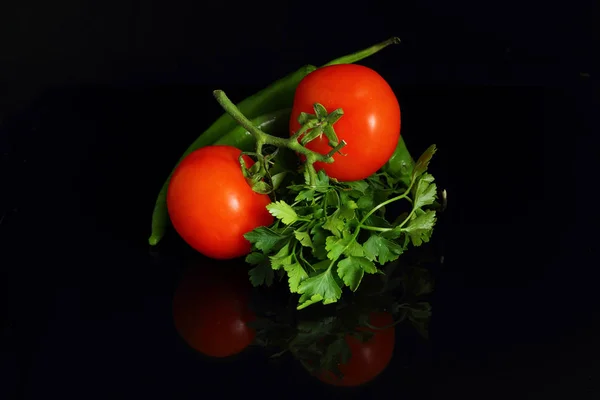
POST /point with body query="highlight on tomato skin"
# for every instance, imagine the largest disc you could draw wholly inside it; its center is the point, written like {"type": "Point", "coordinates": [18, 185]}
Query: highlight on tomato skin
{"type": "Point", "coordinates": [210, 204]}
{"type": "Point", "coordinates": [370, 124]}
{"type": "Point", "coordinates": [368, 359]}
{"type": "Point", "coordinates": [211, 309]}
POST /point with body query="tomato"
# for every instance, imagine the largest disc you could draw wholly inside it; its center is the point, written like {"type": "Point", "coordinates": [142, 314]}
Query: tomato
{"type": "Point", "coordinates": [370, 124]}
{"type": "Point", "coordinates": [212, 206]}
{"type": "Point", "coordinates": [210, 310]}
{"type": "Point", "coordinates": [368, 359]}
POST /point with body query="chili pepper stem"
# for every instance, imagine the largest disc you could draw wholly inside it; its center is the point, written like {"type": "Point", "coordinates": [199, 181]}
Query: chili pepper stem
{"type": "Point", "coordinates": [291, 143]}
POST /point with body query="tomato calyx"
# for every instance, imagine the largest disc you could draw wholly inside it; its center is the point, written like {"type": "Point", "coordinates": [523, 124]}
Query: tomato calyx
{"type": "Point", "coordinates": [320, 123]}
{"type": "Point", "coordinates": [313, 127]}
{"type": "Point", "coordinates": [255, 175]}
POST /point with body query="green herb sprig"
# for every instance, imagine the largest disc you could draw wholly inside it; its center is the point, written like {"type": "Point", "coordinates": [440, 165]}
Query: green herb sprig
{"type": "Point", "coordinates": [329, 234]}
{"type": "Point", "coordinates": [332, 233]}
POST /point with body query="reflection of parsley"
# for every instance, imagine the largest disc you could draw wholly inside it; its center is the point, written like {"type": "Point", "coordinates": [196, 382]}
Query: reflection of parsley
{"type": "Point", "coordinates": [317, 337]}
{"type": "Point", "coordinates": [329, 235]}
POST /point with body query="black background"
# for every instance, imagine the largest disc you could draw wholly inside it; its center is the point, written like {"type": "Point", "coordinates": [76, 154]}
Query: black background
{"type": "Point", "coordinates": [100, 99]}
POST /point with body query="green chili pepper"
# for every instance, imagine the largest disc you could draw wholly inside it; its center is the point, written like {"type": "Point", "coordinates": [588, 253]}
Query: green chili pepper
{"type": "Point", "coordinates": [401, 164]}
{"type": "Point", "coordinates": [279, 95]}
{"type": "Point", "coordinates": [362, 54]}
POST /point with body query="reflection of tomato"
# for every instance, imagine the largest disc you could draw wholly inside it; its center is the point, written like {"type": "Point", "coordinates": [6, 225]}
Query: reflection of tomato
{"type": "Point", "coordinates": [210, 310]}
{"type": "Point", "coordinates": [370, 124]}
{"type": "Point", "coordinates": [368, 359]}
{"type": "Point", "coordinates": [212, 206]}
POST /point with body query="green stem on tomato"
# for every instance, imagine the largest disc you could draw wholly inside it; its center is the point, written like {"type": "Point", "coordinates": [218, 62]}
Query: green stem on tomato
{"type": "Point", "coordinates": [291, 143]}
{"type": "Point", "coordinates": [303, 130]}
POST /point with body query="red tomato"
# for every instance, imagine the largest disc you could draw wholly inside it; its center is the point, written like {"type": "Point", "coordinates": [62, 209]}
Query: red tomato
{"type": "Point", "coordinates": [212, 206]}
{"type": "Point", "coordinates": [210, 311]}
{"type": "Point", "coordinates": [370, 124]}
{"type": "Point", "coordinates": [368, 359]}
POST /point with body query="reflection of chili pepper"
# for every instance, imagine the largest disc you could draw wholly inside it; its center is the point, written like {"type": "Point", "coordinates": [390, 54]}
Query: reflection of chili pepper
{"type": "Point", "coordinates": [279, 95]}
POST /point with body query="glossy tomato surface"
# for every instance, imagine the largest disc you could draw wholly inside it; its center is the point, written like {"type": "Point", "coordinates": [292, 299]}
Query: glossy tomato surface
{"type": "Point", "coordinates": [211, 312]}
{"type": "Point", "coordinates": [212, 206]}
{"type": "Point", "coordinates": [370, 124]}
{"type": "Point", "coordinates": [368, 359]}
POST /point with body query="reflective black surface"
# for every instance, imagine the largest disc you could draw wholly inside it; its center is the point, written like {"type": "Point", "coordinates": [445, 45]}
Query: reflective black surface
{"type": "Point", "coordinates": [89, 306]}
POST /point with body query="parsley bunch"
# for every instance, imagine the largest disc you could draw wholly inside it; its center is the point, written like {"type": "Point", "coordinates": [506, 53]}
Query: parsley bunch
{"type": "Point", "coordinates": [329, 234]}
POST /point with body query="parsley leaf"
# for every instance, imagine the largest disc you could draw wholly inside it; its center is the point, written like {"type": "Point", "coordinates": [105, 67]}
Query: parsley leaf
{"type": "Point", "coordinates": [381, 249]}
{"type": "Point", "coordinates": [354, 249]}
{"type": "Point", "coordinates": [307, 194]}
{"type": "Point", "coordinates": [321, 265]}
{"type": "Point", "coordinates": [347, 210]}
{"type": "Point", "coordinates": [282, 257]}
{"type": "Point", "coordinates": [264, 238]}
{"type": "Point", "coordinates": [419, 229]}
{"type": "Point", "coordinates": [304, 238]}
{"type": "Point", "coordinates": [319, 288]}
{"type": "Point", "coordinates": [262, 273]}
{"type": "Point", "coordinates": [366, 201]}
{"type": "Point", "coordinates": [334, 223]}
{"type": "Point", "coordinates": [359, 186]}
{"type": "Point", "coordinates": [332, 198]}
{"type": "Point", "coordinates": [352, 270]}
{"type": "Point", "coordinates": [335, 246]}
{"type": "Point", "coordinates": [256, 258]}
{"type": "Point", "coordinates": [322, 183]}
{"type": "Point", "coordinates": [296, 274]}
{"type": "Point", "coordinates": [283, 211]}
{"type": "Point", "coordinates": [423, 162]}
{"type": "Point", "coordinates": [319, 241]}
{"type": "Point", "coordinates": [426, 191]}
